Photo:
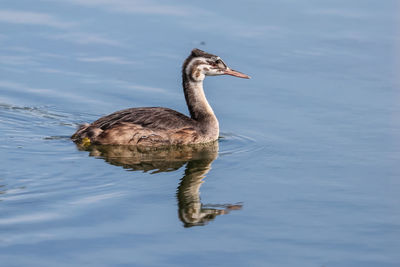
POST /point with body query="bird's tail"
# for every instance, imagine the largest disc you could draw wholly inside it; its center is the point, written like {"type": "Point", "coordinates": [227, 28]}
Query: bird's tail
{"type": "Point", "coordinates": [81, 133]}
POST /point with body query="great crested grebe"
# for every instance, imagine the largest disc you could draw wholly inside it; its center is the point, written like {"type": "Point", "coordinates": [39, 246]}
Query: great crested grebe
{"type": "Point", "coordinates": [157, 126]}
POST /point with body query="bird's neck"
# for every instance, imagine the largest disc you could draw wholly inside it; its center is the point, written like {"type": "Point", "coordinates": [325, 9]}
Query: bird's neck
{"type": "Point", "coordinates": [199, 108]}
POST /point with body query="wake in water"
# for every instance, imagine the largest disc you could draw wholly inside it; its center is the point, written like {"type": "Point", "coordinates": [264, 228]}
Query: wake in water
{"type": "Point", "coordinates": [25, 122]}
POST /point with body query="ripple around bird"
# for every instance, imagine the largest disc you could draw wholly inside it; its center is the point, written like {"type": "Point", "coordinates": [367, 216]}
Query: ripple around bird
{"type": "Point", "coordinates": [231, 143]}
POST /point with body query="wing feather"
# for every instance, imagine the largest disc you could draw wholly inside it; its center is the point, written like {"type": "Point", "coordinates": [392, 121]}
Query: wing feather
{"type": "Point", "coordinates": [153, 118]}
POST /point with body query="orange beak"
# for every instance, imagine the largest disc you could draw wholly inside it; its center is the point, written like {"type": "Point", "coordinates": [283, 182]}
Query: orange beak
{"type": "Point", "coordinates": [235, 73]}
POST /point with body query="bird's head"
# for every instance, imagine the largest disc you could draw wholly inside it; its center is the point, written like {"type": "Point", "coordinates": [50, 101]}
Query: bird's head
{"type": "Point", "coordinates": [200, 64]}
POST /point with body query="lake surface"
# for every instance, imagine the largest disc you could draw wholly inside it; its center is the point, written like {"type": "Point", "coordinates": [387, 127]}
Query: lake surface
{"type": "Point", "coordinates": [306, 172]}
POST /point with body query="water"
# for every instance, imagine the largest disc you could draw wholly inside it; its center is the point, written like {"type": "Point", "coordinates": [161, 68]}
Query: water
{"type": "Point", "coordinates": [305, 172]}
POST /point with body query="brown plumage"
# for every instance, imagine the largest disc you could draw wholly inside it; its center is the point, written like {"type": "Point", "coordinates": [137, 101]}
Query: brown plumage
{"type": "Point", "coordinates": [156, 126]}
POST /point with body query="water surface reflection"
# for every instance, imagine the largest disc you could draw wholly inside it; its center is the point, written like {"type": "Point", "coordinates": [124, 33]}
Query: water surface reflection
{"type": "Point", "coordinates": [198, 160]}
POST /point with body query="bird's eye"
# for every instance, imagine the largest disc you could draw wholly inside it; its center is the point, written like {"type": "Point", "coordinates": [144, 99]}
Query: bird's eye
{"type": "Point", "coordinates": [220, 63]}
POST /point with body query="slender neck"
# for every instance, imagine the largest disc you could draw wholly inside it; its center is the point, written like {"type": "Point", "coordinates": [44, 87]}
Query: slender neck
{"type": "Point", "coordinates": [198, 105]}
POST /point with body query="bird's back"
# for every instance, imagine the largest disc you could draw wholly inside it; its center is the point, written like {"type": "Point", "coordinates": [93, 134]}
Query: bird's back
{"type": "Point", "coordinates": [149, 117]}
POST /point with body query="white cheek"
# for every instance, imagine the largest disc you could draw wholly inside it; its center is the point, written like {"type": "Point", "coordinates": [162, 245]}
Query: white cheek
{"type": "Point", "coordinates": [190, 65]}
{"type": "Point", "coordinates": [201, 76]}
{"type": "Point", "coordinates": [198, 75]}
{"type": "Point", "coordinates": [213, 72]}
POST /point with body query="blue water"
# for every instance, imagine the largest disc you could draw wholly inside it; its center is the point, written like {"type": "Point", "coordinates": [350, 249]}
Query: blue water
{"type": "Point", "coordinates": [306, 170]}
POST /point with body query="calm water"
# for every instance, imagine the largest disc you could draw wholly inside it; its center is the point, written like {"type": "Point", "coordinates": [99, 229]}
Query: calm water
{"type": "Point", "coordinates": [306, 170]}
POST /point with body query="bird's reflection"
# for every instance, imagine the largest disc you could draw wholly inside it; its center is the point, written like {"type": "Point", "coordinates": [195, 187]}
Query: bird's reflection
{"type": "Point", "coordinates": [198, 158]}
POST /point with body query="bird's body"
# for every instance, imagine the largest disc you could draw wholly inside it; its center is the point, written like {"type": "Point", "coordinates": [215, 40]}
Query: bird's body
{"type": "Point", "coordinates": [144, 126]}
{"type": "Point", "coordinates": [157, 126]}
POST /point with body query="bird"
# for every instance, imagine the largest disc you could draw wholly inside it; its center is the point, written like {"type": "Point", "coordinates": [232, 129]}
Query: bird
{"type": "Point", "coordinates": [159, 126]}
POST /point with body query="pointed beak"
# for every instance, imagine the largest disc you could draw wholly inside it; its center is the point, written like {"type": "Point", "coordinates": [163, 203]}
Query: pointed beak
{"type": "Point", "coordinates": [235, 73]}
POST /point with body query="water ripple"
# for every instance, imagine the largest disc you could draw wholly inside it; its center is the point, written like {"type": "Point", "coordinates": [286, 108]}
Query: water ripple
{"type": "Point", "coordinates": [231, 143]}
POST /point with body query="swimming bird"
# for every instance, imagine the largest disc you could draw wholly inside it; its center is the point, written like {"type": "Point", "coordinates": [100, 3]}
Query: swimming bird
{"type": "Point", "coordinates": [158, 126]}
